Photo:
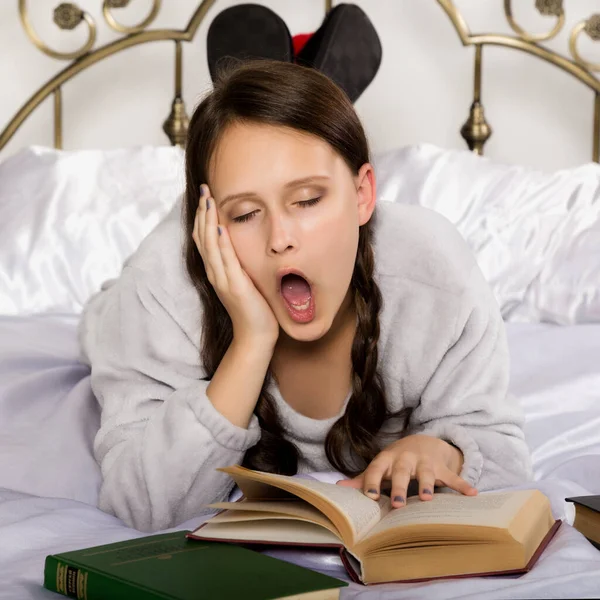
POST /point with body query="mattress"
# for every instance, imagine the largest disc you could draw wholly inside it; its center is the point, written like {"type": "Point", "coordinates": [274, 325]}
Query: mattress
{"type": "Point", "coordinates": [49, 480]}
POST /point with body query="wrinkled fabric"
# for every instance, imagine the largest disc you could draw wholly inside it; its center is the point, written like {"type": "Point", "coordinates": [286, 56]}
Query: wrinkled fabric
{"type": "Point", "coordinates": [49, 481]}
{"type": "Point", "coordinates": [32, 527]}
{"type": "Point", "coordinates": [68, 220]}
{"type": "Point", "coordinates": [45, 391]}
{"type": "Point", "coordinates": [536, 235]}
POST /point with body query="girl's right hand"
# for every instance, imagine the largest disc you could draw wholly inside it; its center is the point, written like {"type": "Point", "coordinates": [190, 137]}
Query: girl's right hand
{"type": "Point", "coordinates": [251, 316]}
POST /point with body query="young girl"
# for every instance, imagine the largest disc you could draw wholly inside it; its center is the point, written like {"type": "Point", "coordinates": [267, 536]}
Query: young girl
{"type": "Point", "coordinates": [291, 323]}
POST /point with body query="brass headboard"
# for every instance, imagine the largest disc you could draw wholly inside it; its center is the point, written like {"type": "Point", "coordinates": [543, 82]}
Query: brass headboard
{"type": "Point", "coordinates": [69, 16]}
{"type": "Point", "coordinates": [475, 131]}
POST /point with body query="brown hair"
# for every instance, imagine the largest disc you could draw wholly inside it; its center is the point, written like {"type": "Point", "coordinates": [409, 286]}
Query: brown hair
{"type": "Point", "coordinates": [290, 95]}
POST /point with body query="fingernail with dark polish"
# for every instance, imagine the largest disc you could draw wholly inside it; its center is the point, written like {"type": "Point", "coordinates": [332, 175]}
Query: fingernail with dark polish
{"type": "Point", "coordinates": [219, 230]}
{"type": "Point", "coordinates": [399, 499]}
{"type": "Point", "coordinates": [427, 492]}
{"type": "Point", "coordinates": [201, 191]}
{"type": "Point", "coordinates": [372, 491]}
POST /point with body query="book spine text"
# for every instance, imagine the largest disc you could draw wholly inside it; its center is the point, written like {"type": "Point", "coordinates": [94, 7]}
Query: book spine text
{"type": "Point", "coordinates": [85, 584]}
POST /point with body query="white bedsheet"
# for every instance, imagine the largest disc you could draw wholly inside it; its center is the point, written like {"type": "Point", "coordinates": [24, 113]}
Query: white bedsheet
{"type": "Point", "coordinates": [49, 480]}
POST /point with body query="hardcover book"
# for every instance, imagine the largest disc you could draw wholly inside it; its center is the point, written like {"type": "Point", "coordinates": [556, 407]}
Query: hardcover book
{"type": "Point", "coordinates": [170, 566]}
{"type": "Point", "coordinates": [587, 517]}
{"type": "Point", "coordinates": [449, 536]}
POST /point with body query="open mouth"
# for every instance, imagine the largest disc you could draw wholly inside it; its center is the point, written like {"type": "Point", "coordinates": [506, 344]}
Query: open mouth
{"type": "Point", "coordinates": [298, 297]}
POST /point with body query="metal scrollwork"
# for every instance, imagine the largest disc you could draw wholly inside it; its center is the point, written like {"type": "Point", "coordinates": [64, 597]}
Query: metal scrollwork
{"type": "Point", "coordinates": [476, 130]}
{"type": "Point", "coordinates": [591, 26]}
{"type": "Point", "coordinates": [549, 8]}
{"type": "Point", "coordinates": [114, 24]}
{"type": "Point", "coordinates": [546, 8]}
{"type": "Point", "coordinates": [66, 16]}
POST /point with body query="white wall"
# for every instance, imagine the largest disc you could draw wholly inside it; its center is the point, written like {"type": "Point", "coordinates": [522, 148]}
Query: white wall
{"type": "Point", "coordinates": [540, 115]}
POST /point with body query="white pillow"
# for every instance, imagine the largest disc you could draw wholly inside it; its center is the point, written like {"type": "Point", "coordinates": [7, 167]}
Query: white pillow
{"type": "Point", "coordinates": [535, 235]}
{"type": "Point", "coordinates": [69, 219]}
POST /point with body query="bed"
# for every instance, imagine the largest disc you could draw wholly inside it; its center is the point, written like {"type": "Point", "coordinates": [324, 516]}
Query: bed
{"type": "Point", "coordinates": [536, 236]}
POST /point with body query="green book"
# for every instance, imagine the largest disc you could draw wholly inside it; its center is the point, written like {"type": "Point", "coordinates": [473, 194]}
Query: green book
{"type": "Point", "coordinates": [169, 566]}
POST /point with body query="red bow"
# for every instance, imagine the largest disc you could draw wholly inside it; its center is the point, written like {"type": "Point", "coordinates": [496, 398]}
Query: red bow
{"type": "Point", "coordinates": [299, 41]}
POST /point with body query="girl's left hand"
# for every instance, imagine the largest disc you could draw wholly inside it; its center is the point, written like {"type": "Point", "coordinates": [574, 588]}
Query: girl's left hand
{"type": "Point", "coordinates": [430, 460]}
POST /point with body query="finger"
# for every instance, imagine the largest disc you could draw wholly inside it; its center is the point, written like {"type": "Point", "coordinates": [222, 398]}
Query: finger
{"type": "Point", "coordinates": [204, 193]}
{"type": "Point", "coordinates": [199, 246]}
{"type": "Point", "coordinates": [380, 466]}
{"type": "Point", "coordinates": [231, 263]}
{"type": "Point", "coordinates": [402, 472]}
{"type": "Point", "coordinates": [199, 221]}
{"type": "Point", "coordinates": [195, 234]}
{"type": "Point", "coordinates": [211, 245]}
{"type": "Point", "coordinates": [355, 482]}
{"type": "Point", "coordinates": [206, 202]}
{"type": "Point", "coordinates": [426, 478]}
{"type": "Point", "coordinates": [453, 481]}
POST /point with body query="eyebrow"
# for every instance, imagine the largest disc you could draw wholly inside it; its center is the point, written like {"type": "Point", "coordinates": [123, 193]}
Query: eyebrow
{"type": "Point", "coordinates": [290, 184]}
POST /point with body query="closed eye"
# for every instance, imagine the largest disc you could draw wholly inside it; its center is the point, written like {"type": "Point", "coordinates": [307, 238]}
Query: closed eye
{"type": "Point", "coordinates": [311, 202]}
{"type": "Point", "coordinates": [303, 203]}
{"type": "Point", "coordinates": [245, 218]}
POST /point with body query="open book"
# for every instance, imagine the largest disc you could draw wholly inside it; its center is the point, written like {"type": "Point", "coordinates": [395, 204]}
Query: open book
{"type": "Point", "coordinates": [449, 536]}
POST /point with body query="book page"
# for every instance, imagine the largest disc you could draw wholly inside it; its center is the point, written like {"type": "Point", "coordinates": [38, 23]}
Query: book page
{"type": "Point", "coordinates": [268, 531]}
{"type": "Point", "coordinates": [488, 509]}
{"type": "Point", "coordinates": [358, 512]}
{"type": "Point", "coordinates": [362, 512]}
{"type": "Point", "coordinates": [264, 509]}
{"type": "Point", "coordinates": [250, 516]}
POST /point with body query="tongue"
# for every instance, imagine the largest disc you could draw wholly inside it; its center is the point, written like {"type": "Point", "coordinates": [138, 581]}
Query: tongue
{"type": "Point", "coordinates": [295, 289]}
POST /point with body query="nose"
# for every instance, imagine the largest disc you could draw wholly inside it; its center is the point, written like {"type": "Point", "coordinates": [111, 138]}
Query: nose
{"type": "Point", "coordinates": [281, 235]}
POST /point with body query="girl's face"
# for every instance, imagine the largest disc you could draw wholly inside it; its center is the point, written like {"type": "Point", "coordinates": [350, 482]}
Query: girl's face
{"type": "Point", "coordinates": [290, 202]}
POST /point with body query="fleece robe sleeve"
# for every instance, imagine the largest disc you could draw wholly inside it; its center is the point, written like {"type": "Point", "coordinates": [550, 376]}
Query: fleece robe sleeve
{"type": "Point", "coordinates": [161, 438]}
{"type": "Point", "coordinates": [466, 402]}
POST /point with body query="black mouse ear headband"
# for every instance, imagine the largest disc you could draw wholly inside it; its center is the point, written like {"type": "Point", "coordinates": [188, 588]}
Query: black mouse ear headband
{"type": "Point", "coordinates": [346, 46]}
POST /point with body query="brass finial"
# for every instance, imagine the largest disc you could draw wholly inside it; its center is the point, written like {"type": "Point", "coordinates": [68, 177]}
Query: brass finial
{"type": "Point", "coordinates": [176, 124]}
{"type": "Point", "coordinates": [476, 130]}
{"type": "Point", "coordinates": [592, 27]}
{"type": "Point", "coordinates": [551, 8]}
{"type": "Point", "coordinates": [67, 16]}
